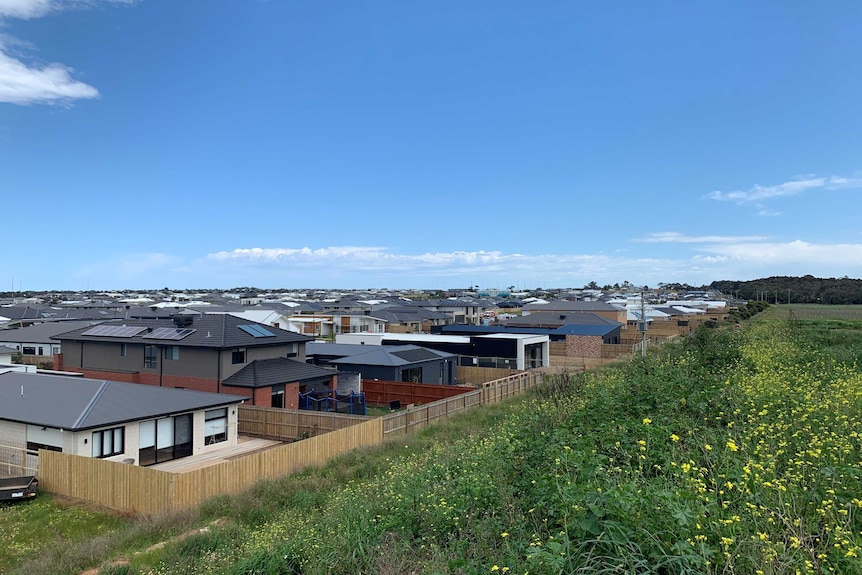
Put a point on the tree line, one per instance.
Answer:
(789, 289)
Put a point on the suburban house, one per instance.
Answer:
(136, 424)
(401, 319)
(504, 350)
(570, 307)
(572, 335)
(35, 343)
(215, 353)
(6, 354)
(408, 363)
(461, 311)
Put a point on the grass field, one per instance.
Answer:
(814, 312)
(732, 451)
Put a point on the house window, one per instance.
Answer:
(150, 357)
(28, 350)
(277, 398)
(41, 350)
(172, 352)
(215, 426)
(124, 350)
(108, 442)
(238, 356)
(165, 439)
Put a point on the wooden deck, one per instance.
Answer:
(245, 446)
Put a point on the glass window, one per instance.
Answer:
(150, 357)
(238, 356)
(215, 426)
(172, 352)
(108, 442)
(123, 350)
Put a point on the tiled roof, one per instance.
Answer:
(275, 371)
(217, 331)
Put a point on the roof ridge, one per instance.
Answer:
(92, 403)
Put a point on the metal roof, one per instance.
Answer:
(42, 332)
(392, 356)
(76, 403)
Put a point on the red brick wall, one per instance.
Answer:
(291, 396)
(583, 346)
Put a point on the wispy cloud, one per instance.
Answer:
(758, 193)
(24, 81)
(678, 238)
(703, 259)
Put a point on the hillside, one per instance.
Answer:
(733, 451)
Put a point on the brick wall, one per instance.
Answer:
(583, 346)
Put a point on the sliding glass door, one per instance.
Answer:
(165, 439)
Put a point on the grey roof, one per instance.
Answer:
(400, 314)
(216, 330)
(392, 355)
(76, 403)
(569, 329)
(42, 332)
(22, 311)
(275, 371)
(556, 319)
(334, 349)
(4, 349)
(562, 305)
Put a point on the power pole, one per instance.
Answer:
(642, 326)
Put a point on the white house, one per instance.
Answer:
(127, 422)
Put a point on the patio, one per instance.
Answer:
(245, 446)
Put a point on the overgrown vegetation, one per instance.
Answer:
(733, 451)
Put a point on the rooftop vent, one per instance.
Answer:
(182, 320)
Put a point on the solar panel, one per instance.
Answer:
(115, 330)
(173, 333)
(256, 331)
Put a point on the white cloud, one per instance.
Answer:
(712, 258)
(758, 193)
(25, 8)
(52, 83)
(30, 83)
(676, 237)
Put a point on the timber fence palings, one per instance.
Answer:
(291, 424)
(151, 491)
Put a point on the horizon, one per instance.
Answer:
(151, 143)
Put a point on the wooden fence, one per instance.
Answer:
(479, 375)
(418, 417)
(379, 392)
(291, 424)
(16, 460)
(150, 491)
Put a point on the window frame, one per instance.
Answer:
(215, 415)
(238, 356)
(151, 356)
(116, 438)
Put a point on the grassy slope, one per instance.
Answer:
(737, 451)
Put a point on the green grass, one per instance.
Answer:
(733, 451)
(28, 527)
(813, 312)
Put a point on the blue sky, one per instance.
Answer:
(217, 143)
